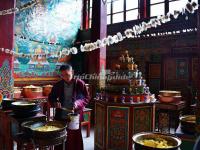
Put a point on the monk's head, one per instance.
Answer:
(66, 72)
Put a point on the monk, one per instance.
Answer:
(70, 93)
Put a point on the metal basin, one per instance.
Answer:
(173, 142)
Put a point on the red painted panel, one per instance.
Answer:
(6, 41)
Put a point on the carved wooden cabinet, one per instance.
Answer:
(115, 123)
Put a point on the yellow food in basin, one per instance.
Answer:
(155, 143)
(47, 128)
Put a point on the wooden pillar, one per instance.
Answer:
(97, 58)
(143, 9)
(84, 14)
(198, 85)
(148, 11)
(6, 41)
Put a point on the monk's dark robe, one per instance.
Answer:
(81, 97)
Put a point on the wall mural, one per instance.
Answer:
(50, 21)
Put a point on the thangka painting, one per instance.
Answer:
(41, 31)
(118, 128)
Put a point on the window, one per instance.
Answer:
(126, 10)
(176, 5)
(131, 4)
(90, 13)
(157, 9)
(122, 10)
(119, 17)
(108, 19)
(156, 1)
(118, 6)
(132, 15)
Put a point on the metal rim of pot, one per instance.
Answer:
(30, 125)
(172, 137)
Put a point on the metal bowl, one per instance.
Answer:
(173, 141)
(169, 93)
(32, 91)
(169, 99)
(188, 123)
(24, 106)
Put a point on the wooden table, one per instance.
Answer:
(86, 120)
(167, 115)
(10, 127)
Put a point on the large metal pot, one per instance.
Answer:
(24, 105)
(7, 103)
(24, 109)
(32, 129)
(32, 91)
(173, 141)
(188, 123)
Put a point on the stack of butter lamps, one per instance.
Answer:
(125, 84)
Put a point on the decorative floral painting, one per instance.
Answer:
(6, 80)
(42, 31)
(118, 127)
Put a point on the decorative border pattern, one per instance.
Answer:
(142, 118)
(6, 80)
(99, 126)
(118, 128)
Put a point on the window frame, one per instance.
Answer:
(124, 11)
(164, 1)
(143, 7)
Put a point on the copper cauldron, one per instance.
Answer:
(32, 91)
(17, 92)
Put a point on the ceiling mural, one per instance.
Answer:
(43, 29)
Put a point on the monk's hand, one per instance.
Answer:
(75, 107)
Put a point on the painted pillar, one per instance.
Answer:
(6, 41)
(143, 9)
(97, 58)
